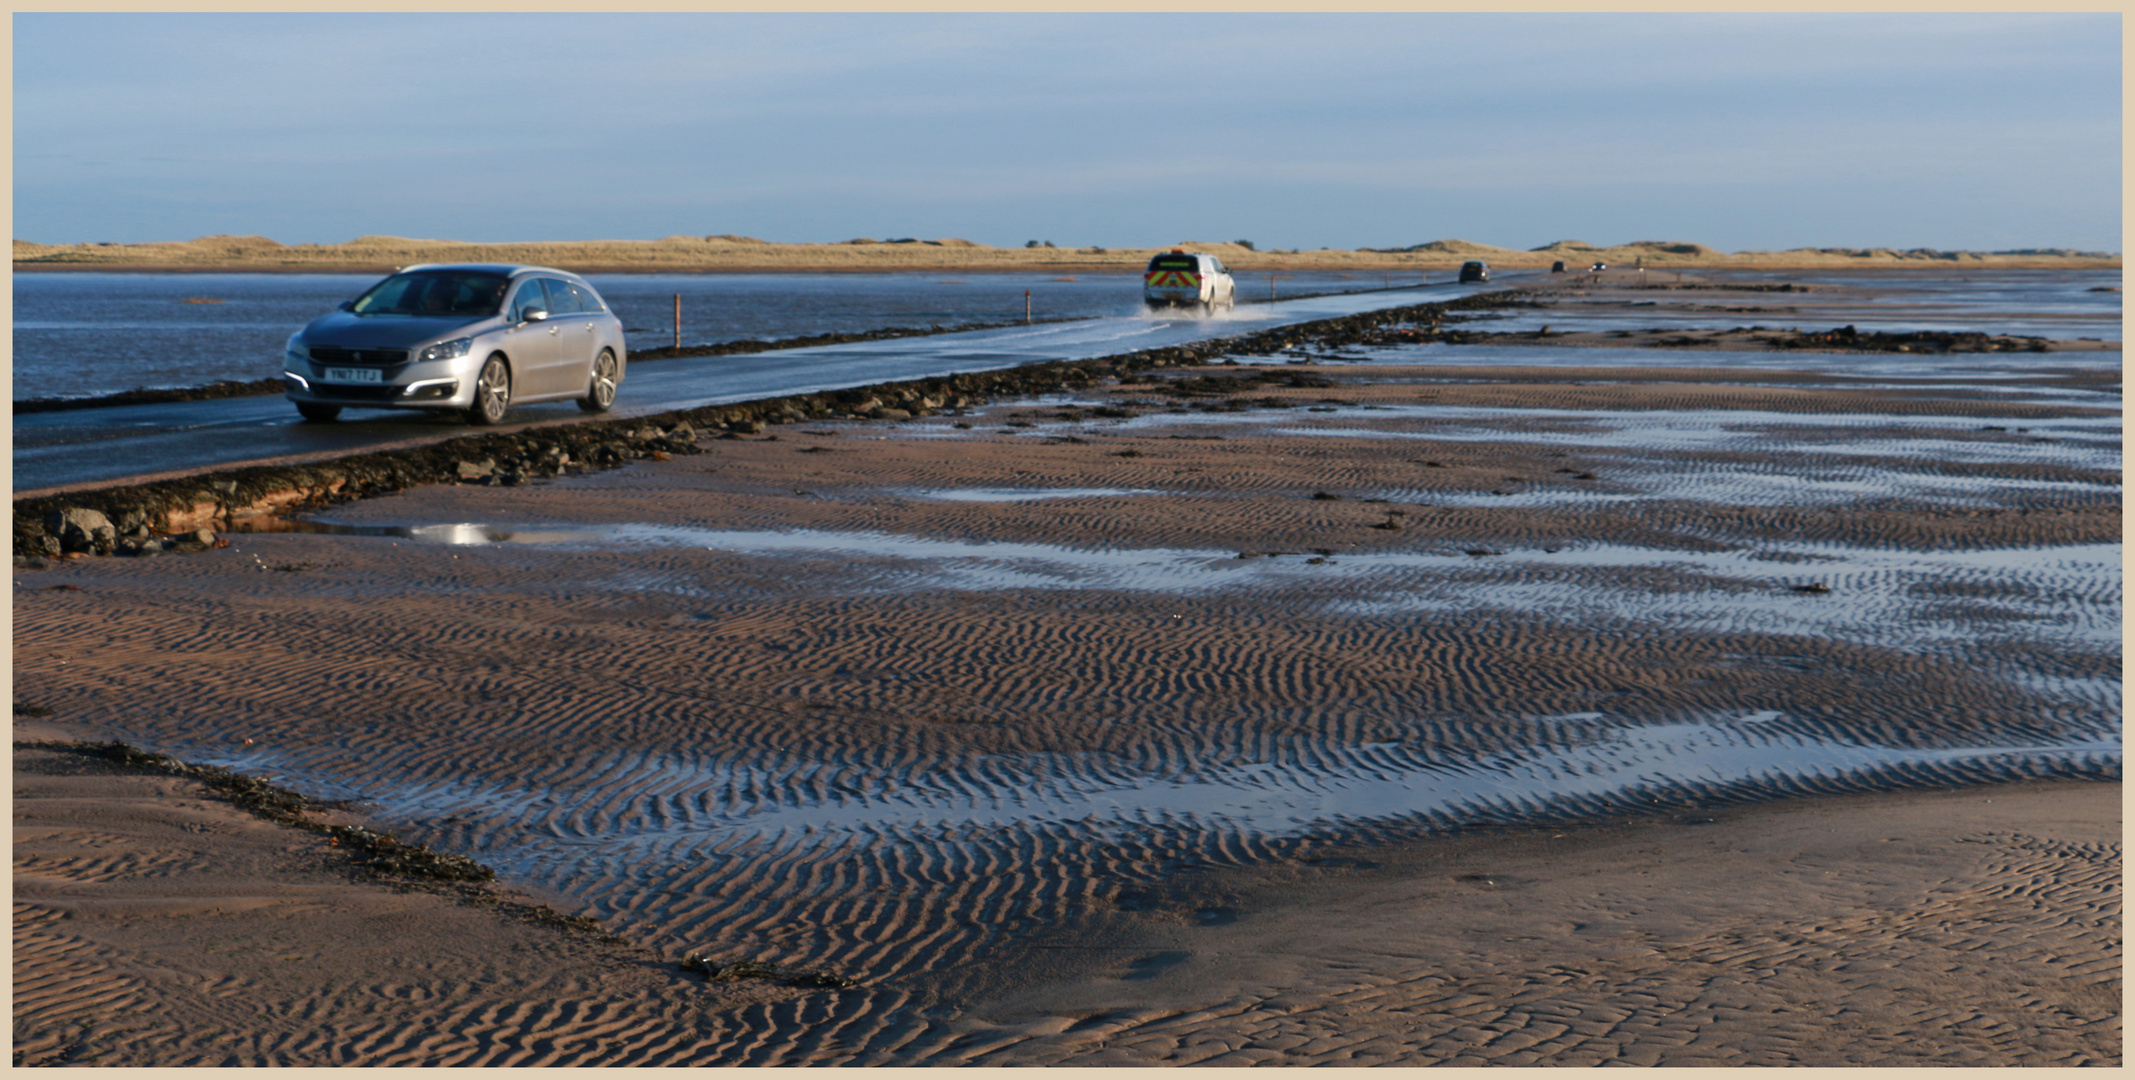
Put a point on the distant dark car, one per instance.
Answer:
(1474, 271)
(1599, 267)
(1557, 267)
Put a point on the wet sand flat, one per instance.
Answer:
(156, 925)
(2058, 311)
(1958, 928)
(1280, 689)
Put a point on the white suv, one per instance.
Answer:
(1183, 279)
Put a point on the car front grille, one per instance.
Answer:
(349, 392)
(334, 354)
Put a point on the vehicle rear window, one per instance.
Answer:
(434, 292)
(1174, 262)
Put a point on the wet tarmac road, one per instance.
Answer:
(98, 447)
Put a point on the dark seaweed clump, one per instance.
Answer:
(756, 969)
(368, 852)
(1935, 341)
(379, 852)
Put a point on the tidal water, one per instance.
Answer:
(2053, 600)
(897, 862)
(2057, 304)
(86, 334)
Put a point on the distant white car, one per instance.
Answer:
(1186, 279)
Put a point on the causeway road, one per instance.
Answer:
(90, 448)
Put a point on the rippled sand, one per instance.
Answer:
(942, 706)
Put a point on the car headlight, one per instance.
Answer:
(447, 350)
(293, 351)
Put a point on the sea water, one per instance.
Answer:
(86, 334)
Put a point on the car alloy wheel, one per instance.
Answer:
(492, 393)
(600, 394)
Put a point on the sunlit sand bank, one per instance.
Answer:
(739, 253)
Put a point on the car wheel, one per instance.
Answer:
(600, 393)
(318, 414)
(492, 393)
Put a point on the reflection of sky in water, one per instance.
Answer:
(2064, 594)
(1684, 429)
(1813, 458)
(1750, 485)
(1974, 290)
(1924, 601)
(2069, 597)
(94, 332)
(1984, 368)
(1027, 494)
(2052, 303)
(685, 807)
(1568, 318)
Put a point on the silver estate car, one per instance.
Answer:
(470, 338)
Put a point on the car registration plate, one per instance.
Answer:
(346, 374)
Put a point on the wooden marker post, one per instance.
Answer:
(678, 322)
(1026, 307)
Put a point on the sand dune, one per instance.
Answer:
(740, 253)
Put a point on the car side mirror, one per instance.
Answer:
(347, 305)
(534, 314)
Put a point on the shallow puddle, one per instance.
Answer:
(1006, 495)
(1569, 318)
(1903, 369)
(1800, 459)
(675, 809)
(2066, 594)
(1999, 437)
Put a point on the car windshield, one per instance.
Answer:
(434, 292)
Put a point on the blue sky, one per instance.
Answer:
(1744, 131)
